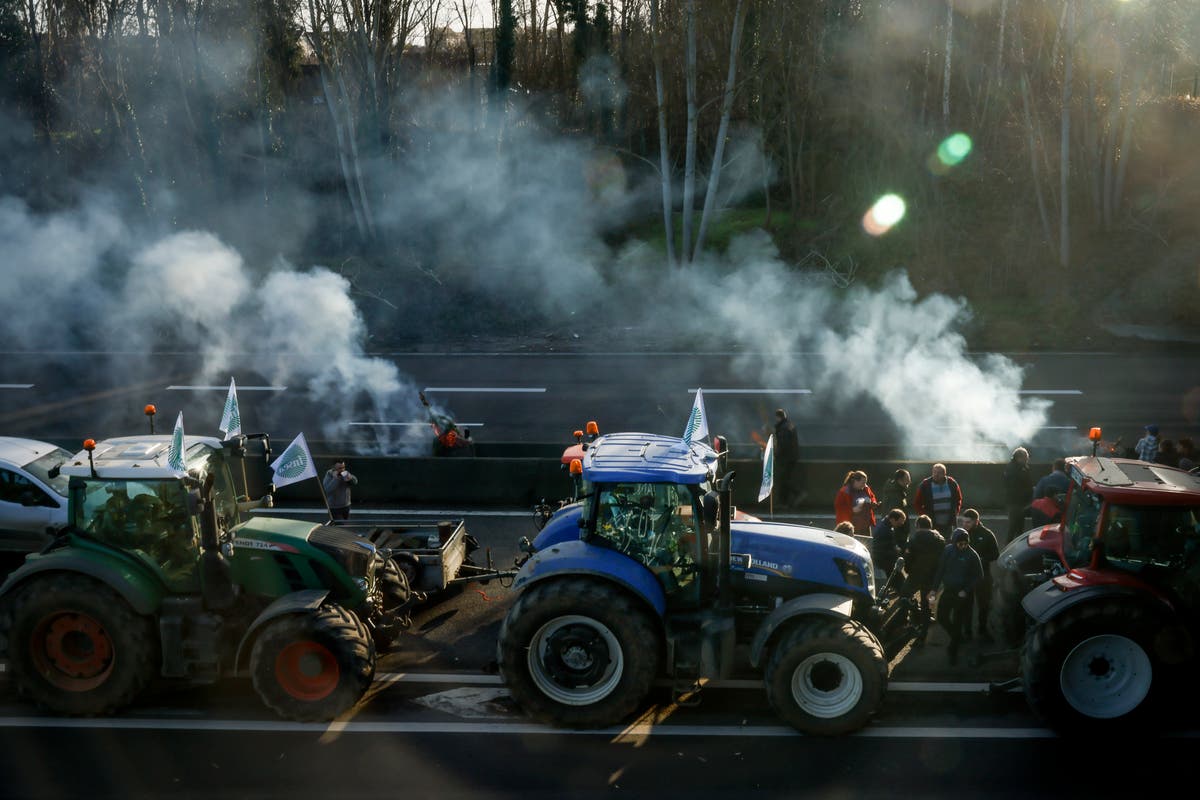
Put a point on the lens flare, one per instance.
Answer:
(954, 149)
(881, 217)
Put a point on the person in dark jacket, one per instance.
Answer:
(1055, 482)
(1017, 492)
(787, 462)
(958, 572)
(940, 498)
(895, 495)
(925, 547)
(885, 541)
(983, 542)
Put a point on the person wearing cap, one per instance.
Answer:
(1147, 446)
(959, 571)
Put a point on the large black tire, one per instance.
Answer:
(312, 667)
(827, 677)
(1094, 665)
(76, 647)
(579, 653)
(1007, 618)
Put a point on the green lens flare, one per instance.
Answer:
(954, 149)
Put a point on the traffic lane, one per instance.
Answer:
(116, 763)
(623, 391)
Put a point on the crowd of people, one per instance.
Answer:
(947, 549)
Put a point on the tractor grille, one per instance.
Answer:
(354, 553)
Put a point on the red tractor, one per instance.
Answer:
(1115, 625)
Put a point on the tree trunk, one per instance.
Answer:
(693, 112)
(1064, 155)
(714, 179)
(946, 70)
(664, 159)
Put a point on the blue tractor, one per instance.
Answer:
(647, 576)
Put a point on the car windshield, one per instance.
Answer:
(41, 467)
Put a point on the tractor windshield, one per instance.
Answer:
(654, 523)
(1138, 535)
(154, 518)
(1083, 513)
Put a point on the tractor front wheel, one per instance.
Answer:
(579, 654)
(314, 666)
(827, 677)
(76, 647)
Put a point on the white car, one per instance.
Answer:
(33, 505)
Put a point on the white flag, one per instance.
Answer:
(231, 418)
(295, 464)
(175, 451)
(768, 481)
(697, 424)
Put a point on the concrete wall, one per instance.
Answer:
(488, 481)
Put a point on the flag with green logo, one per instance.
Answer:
(294, 464)
(768, 481)
(175, 451)
(231, 418)
(697, 424)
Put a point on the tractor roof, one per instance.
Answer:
(647, 458)
(1127, 480)
(134, 457)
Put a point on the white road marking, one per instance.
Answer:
(1049, 391)
(16, 385)
(509, 389)
(225, 388)
(753, 391)
(413, 424)
(512, 728)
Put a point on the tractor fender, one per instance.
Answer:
(143, 592)
(578, 558)
(1049, 600)
(304, 600)
(820, 604)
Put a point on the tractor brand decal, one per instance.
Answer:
(259, 544)
(739, 560)
(770, 566)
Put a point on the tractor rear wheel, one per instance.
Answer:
(580, 654)
(1008, 618)
(312, 667)
(827, 677)
(1094, 664)
(76, 647)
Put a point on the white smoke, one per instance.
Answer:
(509, 212)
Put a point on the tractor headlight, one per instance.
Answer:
(853, 574)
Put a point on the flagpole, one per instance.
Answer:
(325, 497)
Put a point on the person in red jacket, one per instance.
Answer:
(855, 503)
(940, 497)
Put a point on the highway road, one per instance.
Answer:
(540, 397)
(438, 723)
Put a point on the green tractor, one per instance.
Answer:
(163, 573)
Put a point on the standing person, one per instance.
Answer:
(958, 572)
(1054, 482)
(1147, 446)
(895, 495)
(787, 461)
(1168, 454)
(983, 542)
(1046, 510)
(925, 547)
(337, 483)
(855, 503)
(1187, 453)
(940, 498)
(885, 541)
(1017, 492)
